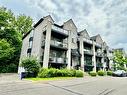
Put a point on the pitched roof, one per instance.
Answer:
(60, 26)
(84, 32)
(93, 37)
(36, 24)
(70, 20)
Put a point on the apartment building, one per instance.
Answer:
(94, 52)
(61, 46)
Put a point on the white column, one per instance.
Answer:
(94, 57)
(82, 52)
(69, 51)
(47, 45)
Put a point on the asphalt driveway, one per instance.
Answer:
(11, 85)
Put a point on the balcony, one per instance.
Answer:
(59, 32)
(87, 41)
(88, 63)
(87, 51)
(99, 54)
(56, 45)
(58, 60)
(99, 64)
(97, 44)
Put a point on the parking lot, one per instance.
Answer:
(11, 85)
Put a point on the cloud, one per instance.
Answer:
(105, 17)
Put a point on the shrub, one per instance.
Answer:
(109, 73)
(73, 72)
(59, 73)
(67, 73)
(52, 72)
(11, 68)
(31, 65)
(101, 73)
(43, 73)
(79, 73)
(92, 73)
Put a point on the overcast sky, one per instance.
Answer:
(105, 17)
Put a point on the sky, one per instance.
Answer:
(105, 17)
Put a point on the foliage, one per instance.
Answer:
(109, 73)
(92, 73)
(8, 68)
(52, 72)
(101, 73)
(6, 50)
(121, 67)
(23, 23)
(31, 65)
(119, 59)
(79, 73)
(67, 73)
(11, 36)
(43, 73)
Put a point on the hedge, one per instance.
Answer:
(101, 73)
(109, 73)
(92, 73)
(52, 72)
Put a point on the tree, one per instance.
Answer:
(7, 18)
(119, 59)
(6, 51)
(11, 36)
(23, 23)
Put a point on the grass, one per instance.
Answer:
(48, 79)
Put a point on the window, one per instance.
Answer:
(30, 39)
(29, 52)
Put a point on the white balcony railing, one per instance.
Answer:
(99, 54)
(55, 43)
(87, 40)
(59, 44)
(88, 51)
(58, 60)
(58, 29)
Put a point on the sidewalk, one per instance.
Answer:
(9, 77)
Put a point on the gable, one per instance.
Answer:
(49, 18)
(85, 34)
(99, 39)
(70, 24)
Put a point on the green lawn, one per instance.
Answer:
(46, 79)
